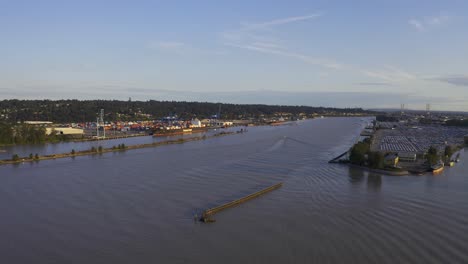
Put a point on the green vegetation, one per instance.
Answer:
(358, 153)
(73, 152)
(361, 155)
(376, 160)
(15, 157)
(100, 149)
(21, 134)
(448, 152)
(121, 146)
(26, 134)
(67, 111)
(425, 121)
(432, 157)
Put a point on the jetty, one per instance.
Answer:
(337, 159)
(207, 214)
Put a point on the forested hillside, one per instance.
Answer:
(79, 111)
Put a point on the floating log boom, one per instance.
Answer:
(206, 216)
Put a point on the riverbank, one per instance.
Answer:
(119, 148)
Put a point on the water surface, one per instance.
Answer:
(137, 206)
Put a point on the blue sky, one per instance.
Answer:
(331, 53)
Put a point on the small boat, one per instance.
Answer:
(437, 167)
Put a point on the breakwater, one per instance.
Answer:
(207, 214)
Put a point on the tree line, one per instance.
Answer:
(67, 111)
(457, 122)
(21, 134)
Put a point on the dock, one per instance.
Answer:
(207, 214)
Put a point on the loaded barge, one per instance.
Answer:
(162, 132)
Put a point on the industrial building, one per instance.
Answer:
(64, 131)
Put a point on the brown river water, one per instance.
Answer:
(138, 206)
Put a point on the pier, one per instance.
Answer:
(207, 214)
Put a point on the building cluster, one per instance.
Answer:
(168, 123)
(409, 142)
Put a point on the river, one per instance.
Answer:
(137, 206)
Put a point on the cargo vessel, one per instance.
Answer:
(178, 131)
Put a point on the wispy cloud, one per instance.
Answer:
(390, 74)
(424, 24)
(418, 25)
(286, 53)
(182, 48)
(168, 45)
(260, 37)
(458, 80)
(281, 21)
(254, 37)
(374, 84)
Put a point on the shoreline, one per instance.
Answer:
(386, 172)
(108, 150)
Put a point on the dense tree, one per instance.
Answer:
(21, 134)
(457, 122)
(448, 152)
(6, 134)
(358, 153)
(432, 157)
(376, 160)
(67, 111)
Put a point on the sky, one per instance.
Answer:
(370, 54)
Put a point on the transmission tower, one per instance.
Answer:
(428, 109)
(100, 124)
(402, 111)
